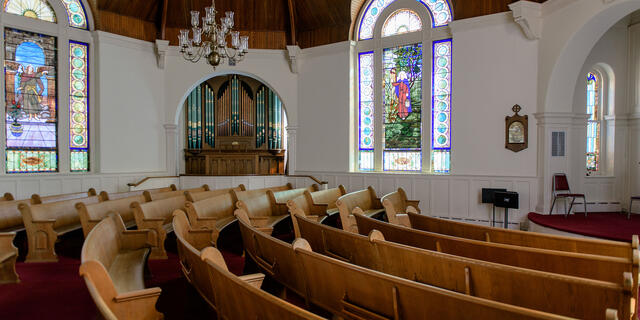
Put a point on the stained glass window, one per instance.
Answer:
(402, 85)
(35, 9)
(593, 122)
(441, 108)
(76, 14)
(366, 117)
(401, 21)
(31, 110)
(79, 106)
(439, 10)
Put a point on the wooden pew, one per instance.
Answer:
(8, 257)
(364, 202)
(7, 197)
(281, 197)
(559, 294)
(263, 212)
(568, 263)
(46, 222)
(524, 238)
(195, 196)
(165, 195)
(397, 205)
(190, 243)
(104, 196)
(239, 298)
(10, 216)
(62, 197)
(92, 214)
(157, 215)
(328, 198)
(213, 214)
(352, 292)
(274, 256)
(113, 264)
(303, 206)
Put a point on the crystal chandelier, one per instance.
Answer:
(214, 47)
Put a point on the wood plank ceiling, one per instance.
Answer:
(271, 24)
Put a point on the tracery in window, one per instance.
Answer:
(401, 21)
(76, 14)
(35, 9)
(439, 10)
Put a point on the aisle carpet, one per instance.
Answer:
(56, 291)
(610, 225)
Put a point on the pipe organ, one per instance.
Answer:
(234, 126)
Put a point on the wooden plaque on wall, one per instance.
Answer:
(516, 131)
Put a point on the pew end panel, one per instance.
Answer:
(41, 237)
(157, 215)
(8, 257)
(198, 238)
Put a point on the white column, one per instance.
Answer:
(291, 148)
(634, 68)
(634, 156)
(171, 131)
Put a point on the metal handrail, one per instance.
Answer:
(316, 180)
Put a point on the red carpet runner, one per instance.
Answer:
(611, 226)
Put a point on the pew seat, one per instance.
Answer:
(113, 264)
(92, 214)
(241, 297)
(195, 196)
(364, 202)
(8, 257)
(397, 205)
(46, 222)
(158, 215)
(212, 213)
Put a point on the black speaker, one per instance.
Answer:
(487, 194)
(504, 199)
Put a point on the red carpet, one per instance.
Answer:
(611, 226)
(56, 291)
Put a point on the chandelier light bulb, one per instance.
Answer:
(244, 44)
(195, 18)
(197, 36)
(235, 39)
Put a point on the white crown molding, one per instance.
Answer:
(528, 15)
(294, 52)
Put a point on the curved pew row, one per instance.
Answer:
(354, 292)
(261, 209)
(8, 257)
(582, 298)
(213, 214)
(91, 214)
(104, 196)
(62, 197)
(113, 263)
(364, 201)
(176, 193)
(524, 238)
(317, 206)
(157, 215)
(45, 222)
(397, 205)
(195, 196)
(582, 265)
(240, 299)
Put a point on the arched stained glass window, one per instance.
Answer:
(439, 9)
(76, 14)
(35, 9)
(401, 21)
(594, 121)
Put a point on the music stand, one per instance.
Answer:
(488, 195)
(507, 200)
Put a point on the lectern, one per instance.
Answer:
(507, 200)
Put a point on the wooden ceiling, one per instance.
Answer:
(271, 24)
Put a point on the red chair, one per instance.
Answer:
(631, 206)
(561, 190)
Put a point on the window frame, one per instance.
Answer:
(427, 36)
(64, 34)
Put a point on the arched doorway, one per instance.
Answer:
(233, 124)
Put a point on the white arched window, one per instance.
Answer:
(404, 64)
(47, 85)
(594, 121)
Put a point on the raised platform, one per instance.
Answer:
(610, 225)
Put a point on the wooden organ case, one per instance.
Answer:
(234, 126)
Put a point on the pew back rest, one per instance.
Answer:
(104, 196)
(202, 195)
(328, 196)
(300, 205)
(62, 197)
(7, 197)
(396, 201)
(63, 212)
(364, 199)
(102, 243)
(238, 299)
(255, 202)
(160, 209)
(203, 188)
(122, 206)
(286, 195)
(162, 195)
(217, 207)
(10, 217)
